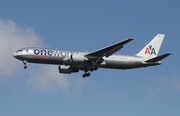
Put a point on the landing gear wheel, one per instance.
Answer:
(95, 68)
(86, 75)
(91, 69)
(25, 67)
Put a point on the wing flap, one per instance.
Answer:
(159, 58)
(107, 51)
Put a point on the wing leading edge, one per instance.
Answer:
(107, 51)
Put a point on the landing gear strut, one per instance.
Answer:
(94, 68)
(25, 66)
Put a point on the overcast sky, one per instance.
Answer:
(88, 25)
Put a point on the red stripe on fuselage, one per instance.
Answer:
(41, 57)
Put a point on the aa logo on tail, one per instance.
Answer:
(150, 50)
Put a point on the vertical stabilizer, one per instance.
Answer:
(152, 48)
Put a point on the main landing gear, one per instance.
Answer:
(87, 74)
(25, 66)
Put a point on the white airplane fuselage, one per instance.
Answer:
(71, 61)
(61, 57)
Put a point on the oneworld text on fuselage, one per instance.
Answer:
(61, 53)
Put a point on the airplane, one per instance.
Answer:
(71, 61)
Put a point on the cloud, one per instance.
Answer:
(12, 38)
(42, 78)
(48, 79)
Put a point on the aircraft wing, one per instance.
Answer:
(159, 58)
(107, 51)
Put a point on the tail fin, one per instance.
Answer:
(152, 48)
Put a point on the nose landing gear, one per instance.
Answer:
(25, 66)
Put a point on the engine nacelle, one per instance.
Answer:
(67, 69)
(75, 59)
(78, 58)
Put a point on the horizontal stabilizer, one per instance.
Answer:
(159, 58)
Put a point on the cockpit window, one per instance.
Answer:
(19, 51)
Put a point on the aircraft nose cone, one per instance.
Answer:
(14, 55)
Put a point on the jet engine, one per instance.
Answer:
(67, 69)
(75, 59)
